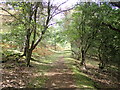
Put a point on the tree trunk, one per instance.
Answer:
(28, 56)
(83, 58)
(27, 51)
(55, 46)
(101, 58)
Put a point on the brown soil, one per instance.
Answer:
(60, 76)
(17, 77)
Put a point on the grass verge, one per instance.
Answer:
(42, 65)
(82, 80)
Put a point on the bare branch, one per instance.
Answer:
(61, 12)
(59, 6)
(52, 24)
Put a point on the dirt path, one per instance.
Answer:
(60, 76)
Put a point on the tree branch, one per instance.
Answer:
(59, 6)
(60, 12)
(52, 24)
(45, 27)
(111, 27)
(34, 33)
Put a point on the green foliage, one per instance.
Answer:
(15, 37)
(82, 27)
(86, 31)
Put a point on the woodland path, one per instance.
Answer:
(60, 76)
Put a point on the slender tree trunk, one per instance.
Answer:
(28, 57)
(72, 49)
(27, 51)
(83, 57)
(26, 46)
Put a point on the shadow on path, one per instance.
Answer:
(60, 76)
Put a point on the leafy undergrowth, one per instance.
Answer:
(92, 76)
(16, 74)
(106, 78)
(45, 50)
(42, 51)
(82, 80)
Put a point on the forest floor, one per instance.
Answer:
(60, 76)
(58, 70)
